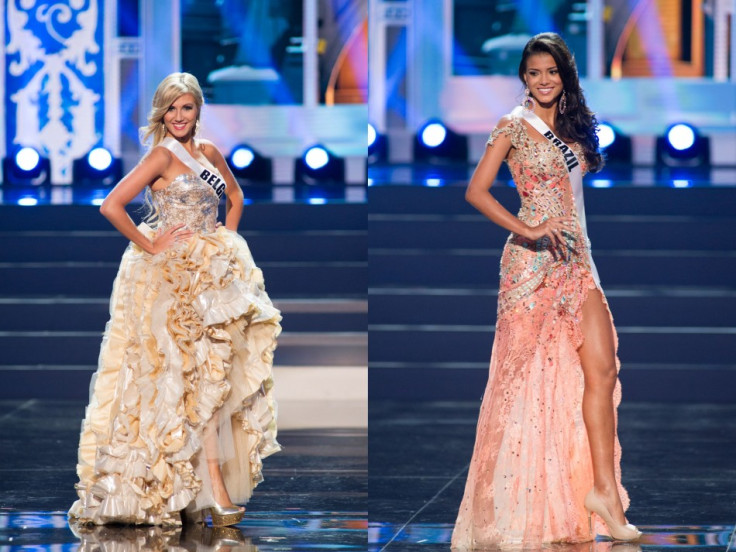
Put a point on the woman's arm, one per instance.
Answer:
(478, 194)
(147, 171)
(233, 192)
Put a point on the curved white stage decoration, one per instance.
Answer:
(54, 79)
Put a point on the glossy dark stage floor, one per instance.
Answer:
(678, 466)
(314, 496)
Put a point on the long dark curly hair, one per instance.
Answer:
(578, 124)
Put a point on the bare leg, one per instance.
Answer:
(597, 356)
(219, 491)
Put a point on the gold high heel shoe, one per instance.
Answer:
(619, 532)
(223, 516)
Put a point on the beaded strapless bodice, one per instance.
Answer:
(189, 200)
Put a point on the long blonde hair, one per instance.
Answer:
(173, 86)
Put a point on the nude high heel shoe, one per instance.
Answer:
(619, 532)
(223, 516)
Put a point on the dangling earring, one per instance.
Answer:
(196, 127)
(562, 105)
(528, 102)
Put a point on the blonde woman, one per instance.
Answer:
(181, 412)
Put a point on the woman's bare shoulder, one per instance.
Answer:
(209, 149)
(157, 155)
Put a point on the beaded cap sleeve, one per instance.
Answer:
(512, 129)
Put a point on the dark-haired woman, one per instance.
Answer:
(546, 454)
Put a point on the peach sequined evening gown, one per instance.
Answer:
(531, 464)
(184, 373)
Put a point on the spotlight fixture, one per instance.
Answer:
(614, 144)
(98, 168)
(435, 142)
(681, 136)
(247, 163)
(372, 135)
(433, 134)
(377, 145)
(319, 166)
(25, 166)
(606, 135)
(683, 146)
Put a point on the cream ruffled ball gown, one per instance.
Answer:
(184, 373)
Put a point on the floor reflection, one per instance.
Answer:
(286, 530)
(190, 538)
(436, 536)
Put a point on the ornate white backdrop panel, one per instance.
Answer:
(54, 79)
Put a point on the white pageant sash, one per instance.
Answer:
(210, 175)
(574, 172)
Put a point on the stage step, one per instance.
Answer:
(631, 306)
(666, 262)
(617, 201)
(108, 246)
(655, 382)
(469, 231)
(456, 343)
(57, 265)
(617, 267)
(94, 279)
(92, 313)
(83, 348)
(282, 217)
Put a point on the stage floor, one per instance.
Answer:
(678, 467)
(314, 496)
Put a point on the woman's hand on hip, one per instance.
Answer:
(553, 228)
(167, 238)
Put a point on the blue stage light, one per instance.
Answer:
(98, 168)
(242, 157)
(372, 134)
(377, 145)
(682, 146)
(99, 159)
(248, 164)
(601, 183)
(435, 143)
(25, 166)
(27, 159)
(28, 201)
(606, 135)
(316, 157)
(433, 134)
(616, 148)
(319, 166)
(681, 136)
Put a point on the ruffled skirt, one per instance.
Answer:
(184, 376)
(531, 466)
